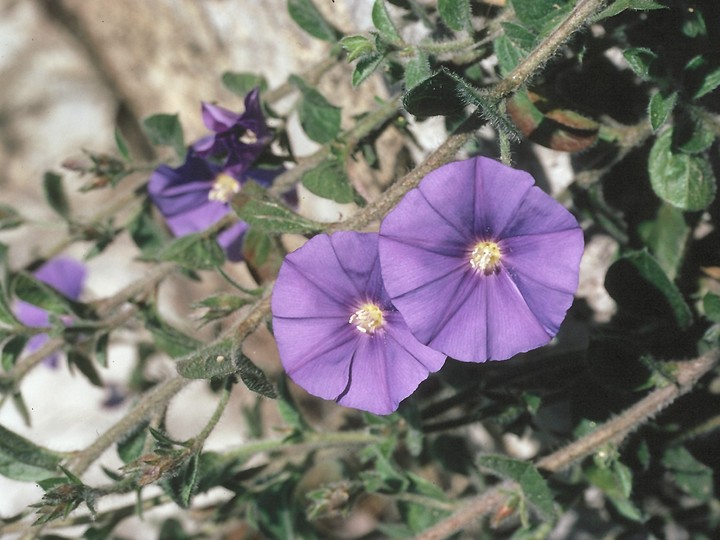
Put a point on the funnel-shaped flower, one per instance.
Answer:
(481, 263)
(67, 276)
(338, 334)
(238, 138)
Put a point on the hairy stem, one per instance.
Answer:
(613, 431)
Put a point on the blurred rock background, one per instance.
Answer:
(74, 70)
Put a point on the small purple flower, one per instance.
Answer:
(67, 276)
(338, 334)
(237, 138)
(480, 262)
(195, 196)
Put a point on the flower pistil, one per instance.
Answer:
(485, 257)
(223, 188)
(368, 318)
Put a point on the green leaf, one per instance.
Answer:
(436, 95)
(122, 145)
(209, 362)
(23, 460)
(541, 15)
(455, 13)
(666, 237)
(711, 307)
(288, 409)
(709, 83)
(181, 487)
(329, 180)
(319, 119)
(383, 23)
(220, 306)
(7, 316)
(33, 291)
(690, 475)
(692, 134)
(637, 281)
(195, 251)
(357, 46)
(533, 485)
(11, 350)
(621, 5)
(131, 446)
(365, 67)
(9, 217)
(167, 338)
(307, 17)
(55, 194)
(268, 214)
(166, 130)
(172, 529)
(242, 83)
(508, 54)
(145, 231)
(642, 61)
(86, 367)
(417, 70)
(522, 38)
(616, 482)
(253, 376)
(660, 108)
(683, 180)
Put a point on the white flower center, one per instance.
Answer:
(223, 188)
(485, 257)
(368, 318)
(249, 137)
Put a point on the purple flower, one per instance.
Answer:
(195, 196)
(338, 334)
(238, 138)
(67, 276)
(480, 262)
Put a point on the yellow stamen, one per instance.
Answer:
(368, 318)
(224, 187)
(485, 257)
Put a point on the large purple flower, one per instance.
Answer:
(238, 138)
(338, 334)
(481, 263)
(65, 275)
(195, 196)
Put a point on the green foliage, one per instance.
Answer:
(166, 130)
(196, 251)
(319, 119)
(242, 83)
(455, 13)
(691, 476)
(9, 217)
(329, 180)
(55, 194)
(307, 17)
(533, 486)
(23, 460)
(384, 24)
(683, 180)
(268, 214)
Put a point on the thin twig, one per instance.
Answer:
(613, 431)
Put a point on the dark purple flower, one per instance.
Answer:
(67, 276)
(338, 334)
(480, 262)
(195, 196)
(239, 139)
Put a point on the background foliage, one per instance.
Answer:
(626, 90)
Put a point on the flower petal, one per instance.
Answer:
(231, 241)
(197, 219)
(499, 191)
(218, 118)
(65, 275)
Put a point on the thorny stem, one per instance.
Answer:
(614, 431)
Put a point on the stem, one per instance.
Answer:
(524, 71)
(352, 137)
(214, 419)
(613, 431)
